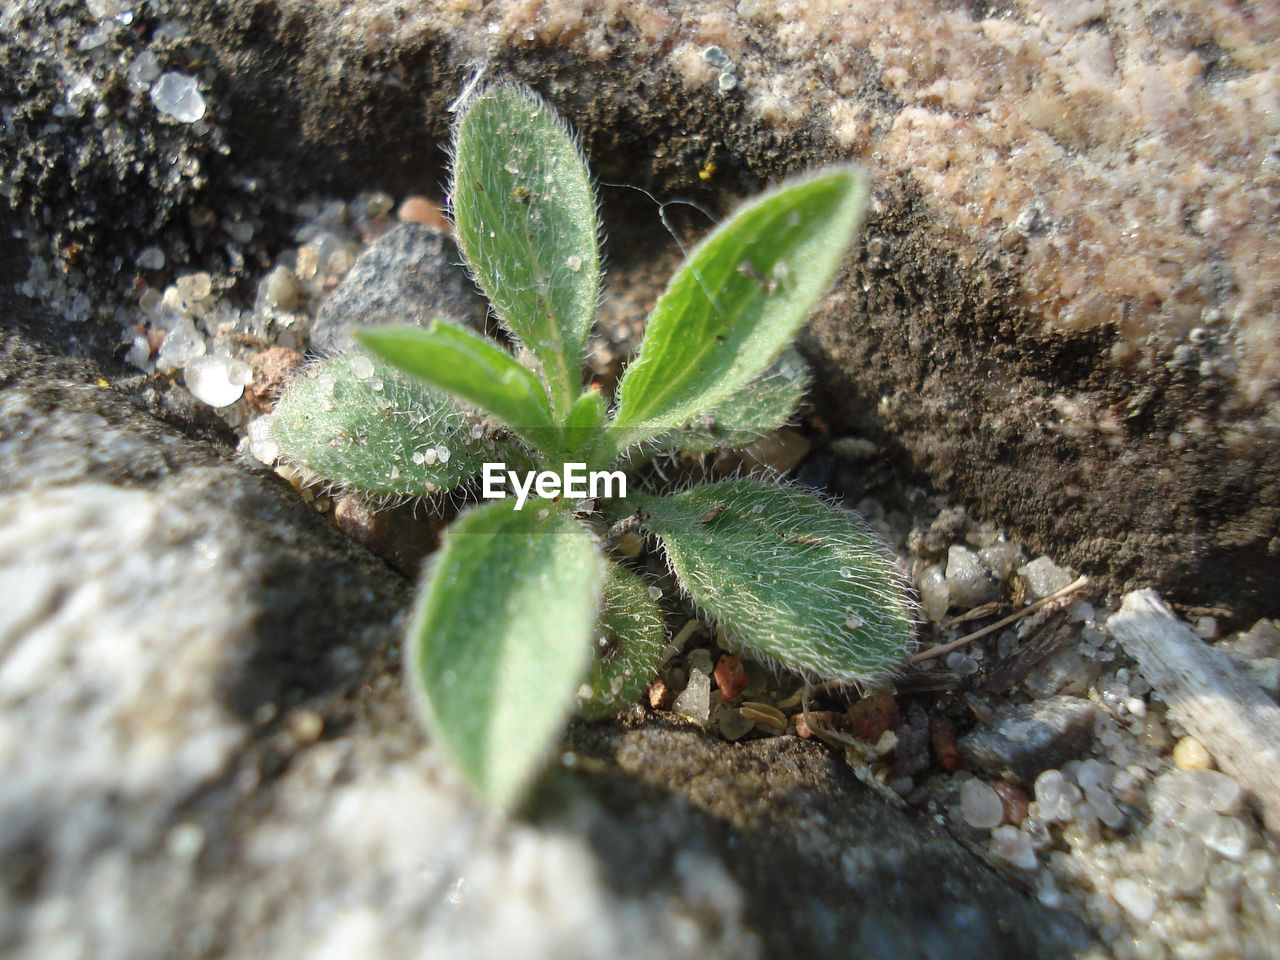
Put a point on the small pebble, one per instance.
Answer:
(417, 209)
(935, 596)
(194, 287)
(1042, 577)
(217, 381)
(1056, 797)
(1001, 559)
(262, 441)
(1135, 898)
(731, 678)
(695, 701)
(150, 258)
(969, 585)
(177, 95)
(1012, 846)
(182, 343)
(1206, 628)
(1228, 837)
(306, 725)
(143, 71)
(733, 725)
(281, 290)
(272, 369)
(980, 805)
(1190, 754)
(184, 841)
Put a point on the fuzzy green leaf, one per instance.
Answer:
(358, 422)
(501, 638)
(525, 214)
(474, 369)
(741, 297)
(795, 580)
(582, 428)
(755, 411)
(628, 649)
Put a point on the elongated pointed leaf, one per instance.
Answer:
(795, 580)
(583, 426)
(741, 297)
(360, 423)
(628, 646)
(472, 368)
(501, 638)
(755, 411)
(526, 219)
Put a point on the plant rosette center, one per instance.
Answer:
(523, 616)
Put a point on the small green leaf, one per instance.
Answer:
(501, 638)
(741, 297)
(358, 422)
(582, 426)
(755, 411)
(629, 648)
(474, 369)
(793, 579)
(525, 214)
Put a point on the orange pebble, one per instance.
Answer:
(421, 210)
(731, 678)
(871, 716)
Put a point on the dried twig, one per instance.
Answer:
(1026, 611)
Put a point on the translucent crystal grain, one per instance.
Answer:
(262, 441)
(968, 583)
(695, 701)
(217, 381)
(1012, 846)
(1105, 809)
(139, 352)
(181, 344)
(934, 595)
(1183, 860)
(280, 289)
(194, 287)
(1135, 898)
(1056, 796)
(1001, 559)
(1042, 577)
(980, 805)
(150, 258)
(177, 95)
(1227, 836)
(361, 367)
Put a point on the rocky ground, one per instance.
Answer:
(206, 746)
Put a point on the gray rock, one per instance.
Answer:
(826, 866)
(410, 275)
(206, 750)
(1021, 742)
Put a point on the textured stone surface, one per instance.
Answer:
(1064, 302)
(409, 275)
(205, 750)
(1020, 742)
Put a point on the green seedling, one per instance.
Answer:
(524, 613)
